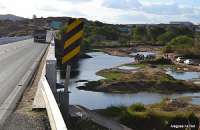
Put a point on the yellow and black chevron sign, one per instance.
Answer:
(72, 39)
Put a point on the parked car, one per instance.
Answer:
(180, 59)
(189, 62)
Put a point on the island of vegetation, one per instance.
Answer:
(161, 116)
(146, 79)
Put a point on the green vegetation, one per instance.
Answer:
(183, 45)
(113, 111)
(159, 34)
(81, 124)
(140, 34)
(140, 117)
(100, 34)
(140, 65)
(145, 75)
(178, 39)
(158, 61)
(114, 75)
(97, 34)
(138, 107)
(150, 80)
(161, 66)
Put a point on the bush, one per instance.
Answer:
(182, 41)
(91, 84)
(158, 120)
(184, 120)
(165, 38)
(159, 61)
(138, 107)
(113, 111)
(181, 44)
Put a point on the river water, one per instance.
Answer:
(98, 100)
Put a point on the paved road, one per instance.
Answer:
(15, 60)
(5, 40)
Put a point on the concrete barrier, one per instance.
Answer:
(45, 99)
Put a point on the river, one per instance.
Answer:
(99, 100)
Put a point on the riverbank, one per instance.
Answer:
(162, 63)
(143, 80)
(126, 51)
(160, 116)
(157, 50)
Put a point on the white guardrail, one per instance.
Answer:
(45, 99)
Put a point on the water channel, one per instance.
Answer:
(97, 100)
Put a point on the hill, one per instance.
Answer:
(11, 17)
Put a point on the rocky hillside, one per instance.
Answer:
(15, 27)
(11, 17)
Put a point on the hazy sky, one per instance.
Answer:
(110, 11)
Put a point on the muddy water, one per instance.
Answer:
(97, 100)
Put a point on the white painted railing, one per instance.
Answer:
(45, 99)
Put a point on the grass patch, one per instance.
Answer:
(140, 65)
(138, 107)
(111, 75)
(147, 80)
(113, 111)
(140, 117)
(144, 75)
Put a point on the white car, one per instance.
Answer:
(188, 62)
(180, 59)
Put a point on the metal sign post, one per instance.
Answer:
(68, 70)
(72, 39)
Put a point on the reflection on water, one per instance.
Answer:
(97, 100)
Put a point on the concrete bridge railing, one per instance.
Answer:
(45, 98)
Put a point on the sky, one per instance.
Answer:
(109, 11)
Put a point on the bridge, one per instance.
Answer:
(19, 62)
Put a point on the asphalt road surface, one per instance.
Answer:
(5, 40)
(15, 60)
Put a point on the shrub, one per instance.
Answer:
(138, 107)
(182, 41)
(93, 83)
(159, 61)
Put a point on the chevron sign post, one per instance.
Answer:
(72, 39)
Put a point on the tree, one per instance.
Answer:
(182, 44)
(182, 41)
(154, 32)
(165, 38)
(34, 16)
(140, 33)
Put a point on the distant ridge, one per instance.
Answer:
(11, 17)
